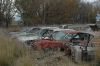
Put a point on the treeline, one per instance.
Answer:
(51, 11)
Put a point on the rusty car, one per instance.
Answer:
(74, 43)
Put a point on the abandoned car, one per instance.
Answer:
(24, 31)
(74, 43)
(37, 35)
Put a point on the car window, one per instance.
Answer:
(48, 33)
(84, 36)
(34, 30)
(77, 36)
(39, 32)
(65, 27)
(59, 36)
(44, 32)
(68, 36)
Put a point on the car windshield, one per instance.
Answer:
(44, 32)
(34, 30)
(28, 34)
(62, 36)
(83, 36)
(30, 30)
(82, 39)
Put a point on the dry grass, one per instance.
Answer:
(60, 61)
(10, 50)
(96, 41)
(24, 61)
(13, 28)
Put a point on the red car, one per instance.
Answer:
(62, 39)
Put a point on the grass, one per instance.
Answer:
(96, 41)
(24, 61)
(13, 28)
(10, 51)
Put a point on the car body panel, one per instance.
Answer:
(47, 44)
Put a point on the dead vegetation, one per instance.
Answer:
(13, 28)
(10, 50)
(96, 39)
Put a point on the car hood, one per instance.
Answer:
(23, 34)
(19, 34)
(26, 38)
(16, 34)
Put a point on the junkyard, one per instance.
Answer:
(56, 45)
(49, 32)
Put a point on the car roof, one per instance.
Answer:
(49, 28)
(86, 32)
(67, 30)
(72, 31)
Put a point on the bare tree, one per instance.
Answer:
(46, 11)
(8, 10)
(29, 10)
(55, 12)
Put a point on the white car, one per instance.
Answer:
(24, 32)
(29, 37)
(35, 36)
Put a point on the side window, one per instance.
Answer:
(34, 30)
(43, 31)
(48, 33)
(59, 36)
(68, 36)
(65, 27)
(84, 36)
(77, 36)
